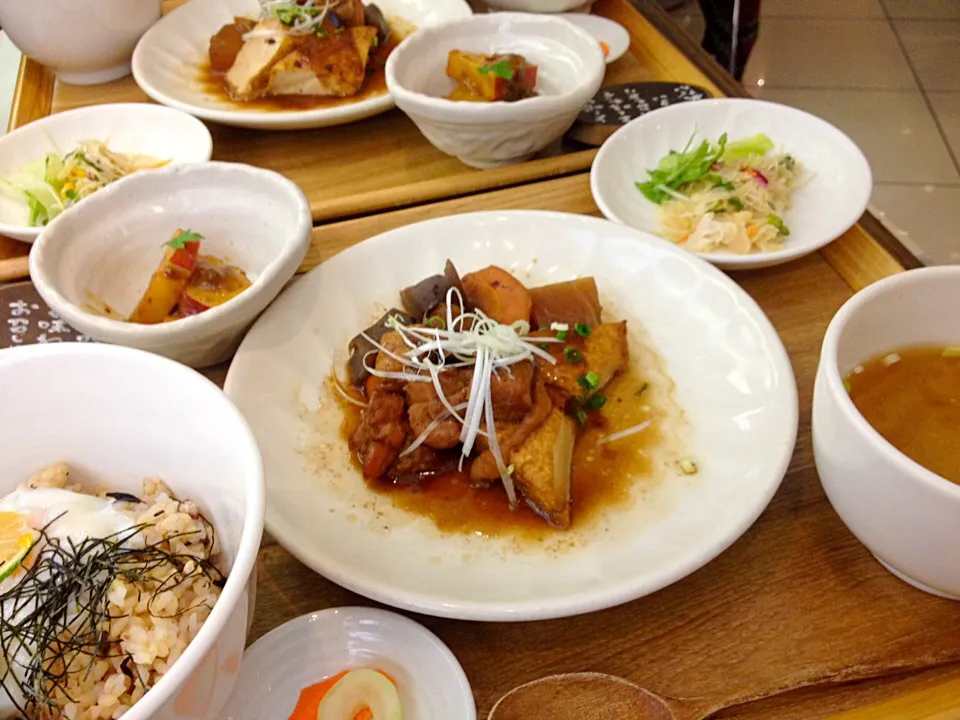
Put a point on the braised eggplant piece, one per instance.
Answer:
(374, 17)
(420, 299)
(360, 346)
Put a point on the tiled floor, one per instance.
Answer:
(886, 72)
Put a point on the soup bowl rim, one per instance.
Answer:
(830, 371)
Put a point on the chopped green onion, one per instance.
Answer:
(951, 352)
(688, 466)
(562, 335)
(590, 381)
(572, 356)
(778, 223)
(582, 329)
(581, 417)
(543, 346)
(596, 401)
(735, 203)
(437, 322)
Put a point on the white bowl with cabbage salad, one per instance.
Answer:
(51, 164)
(742, 183)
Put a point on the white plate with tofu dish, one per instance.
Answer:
(280, 64)
(644, 413)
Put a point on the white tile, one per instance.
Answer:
(947, 108)
(923, 9)
(934, 51)
(926, 218)
(895, 130)
(9, 66)
(828, 53)
(822, 8)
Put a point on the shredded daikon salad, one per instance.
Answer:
(57, 182)
(729, 196)
(296, 18)
(471, 339)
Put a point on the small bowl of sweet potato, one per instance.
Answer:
(496, 89)
(178, 261)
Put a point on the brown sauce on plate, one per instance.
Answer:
(912, 398)
(375, 85)
(603, 475)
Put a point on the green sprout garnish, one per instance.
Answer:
(501, 69)
(180, 240)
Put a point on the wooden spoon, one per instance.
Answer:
(596, 696)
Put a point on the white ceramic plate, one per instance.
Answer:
(134, 128)
(167, 62)
(823, 209)
(732, 379)
(606, 31)
(316, 646)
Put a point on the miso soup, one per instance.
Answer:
(912, 398)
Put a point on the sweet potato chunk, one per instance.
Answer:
(498, 294)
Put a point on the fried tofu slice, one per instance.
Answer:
(249, 76)
(605, 352)
(334, 65)
(542, 465)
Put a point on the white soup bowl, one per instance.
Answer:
(906, 515)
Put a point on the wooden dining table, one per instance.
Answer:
(796, 620)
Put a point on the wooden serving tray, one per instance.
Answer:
(368, 166)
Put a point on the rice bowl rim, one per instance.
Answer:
(207, 393)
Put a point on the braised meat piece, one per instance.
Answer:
(381, 434)
(226, 44)
(509, 436)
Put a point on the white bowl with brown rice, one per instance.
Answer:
(134, 490)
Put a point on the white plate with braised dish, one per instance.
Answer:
(743, 183)
(280, 64)
(643, 411)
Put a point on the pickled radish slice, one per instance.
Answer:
(359, 690)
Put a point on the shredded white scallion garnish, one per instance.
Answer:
(296, 19)
(471, 339)
(624, 433)
(345, 395)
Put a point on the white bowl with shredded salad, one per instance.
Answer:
(743, 183)
(56, 162)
